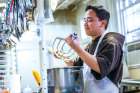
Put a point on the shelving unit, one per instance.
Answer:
(4, 68)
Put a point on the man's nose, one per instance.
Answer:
(85, 23)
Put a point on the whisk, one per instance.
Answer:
(61, 50)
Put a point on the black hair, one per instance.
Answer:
(101, 13)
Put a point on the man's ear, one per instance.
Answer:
(104, 23)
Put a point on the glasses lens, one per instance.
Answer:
(88, 19)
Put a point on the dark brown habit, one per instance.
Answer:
(109, 57)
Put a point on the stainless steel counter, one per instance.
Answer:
(131, 82)
(127, 84)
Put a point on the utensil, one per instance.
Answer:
(61, 50)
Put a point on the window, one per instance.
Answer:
(129, 14)
(130, 10)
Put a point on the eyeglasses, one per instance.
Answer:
(88, 19)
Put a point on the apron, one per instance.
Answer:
(92, 85)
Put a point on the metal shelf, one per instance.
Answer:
(3, 68)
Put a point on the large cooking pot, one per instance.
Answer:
(65, 80)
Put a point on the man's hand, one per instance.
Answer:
(69, 62)
(73, 42)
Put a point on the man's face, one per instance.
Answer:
(92, 24)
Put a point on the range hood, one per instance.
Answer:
(62, 4)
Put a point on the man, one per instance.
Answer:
(102, 57)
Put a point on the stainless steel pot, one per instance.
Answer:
(65, 80)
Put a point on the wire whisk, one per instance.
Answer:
(61, 50)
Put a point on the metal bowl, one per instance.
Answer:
(65, 80)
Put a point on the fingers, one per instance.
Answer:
(68, 39)
(71, 37)
(72, 40)
(69, 62)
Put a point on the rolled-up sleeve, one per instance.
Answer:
(107, 58)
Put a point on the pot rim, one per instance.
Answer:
(68, 67)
